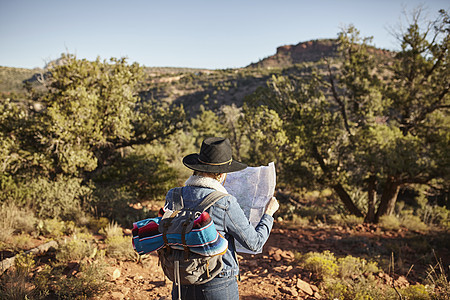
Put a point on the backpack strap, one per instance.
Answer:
(210, 200)
(177, 204)
(177, 198)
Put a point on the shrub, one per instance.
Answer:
(353, 278)
(350, 220)
(15, 284)
(288, 211)
(20, 242)
(97, 224)
(144, 176)
(437, 279)
(51, 227)
(413, 223)
(59, 198)
(297, 220)
(88, 281)
(434, 215)
(335, 289)
(118, 245)
(24, 263)
(336, 219)
(111, 230)
(15, 220)
(76, 248)
(415, 292)
(322, 265)
(55, 227)
(316, 213)
(6, 233)
(360, 289)
(389, 222)
(355, 266)
(114, 203)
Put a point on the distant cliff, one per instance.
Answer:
(288, 55)
(311, 51)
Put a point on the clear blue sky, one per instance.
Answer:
(200, 34)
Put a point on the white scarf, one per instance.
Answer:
(206, 182)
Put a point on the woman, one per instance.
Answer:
(210, 167)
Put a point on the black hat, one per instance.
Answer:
(215, 157)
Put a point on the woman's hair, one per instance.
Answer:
(216, 176)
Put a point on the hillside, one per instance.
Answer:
(212, 89)
(12, 79)
(288, 55)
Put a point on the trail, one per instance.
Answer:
(274, 274)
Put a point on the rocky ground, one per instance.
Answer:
(274, 274)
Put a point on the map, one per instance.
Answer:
(253, 187)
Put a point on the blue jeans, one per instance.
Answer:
(220, 288)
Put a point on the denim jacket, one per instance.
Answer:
(229, 219)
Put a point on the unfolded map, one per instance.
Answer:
(253, 187)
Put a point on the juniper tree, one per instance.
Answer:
(375, 121)
(93, 109)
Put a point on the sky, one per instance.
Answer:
(194, 34)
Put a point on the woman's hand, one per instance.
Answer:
(272, 206)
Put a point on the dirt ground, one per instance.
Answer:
(274, 274)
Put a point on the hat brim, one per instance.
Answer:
(191, 161)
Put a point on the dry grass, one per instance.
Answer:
(15, 220)
(118, 245)
(76, 248)
(15, 284)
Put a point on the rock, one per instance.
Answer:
(279, 269)
(287, 254)
(402, 282)
(116, 274)
(117, 296)
(317, 296)
(125, 290)
(277, 257)
(305, 287)
(314, 288)
(288, 290)
(272, 250)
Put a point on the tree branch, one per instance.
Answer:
(337, 187)
(338, 100)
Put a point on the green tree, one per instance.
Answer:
(265, 135)
(231, 117)
(93, 110)
(376, 121)
(82, 126)
(206, 124)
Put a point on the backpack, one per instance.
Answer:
(196, 259)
